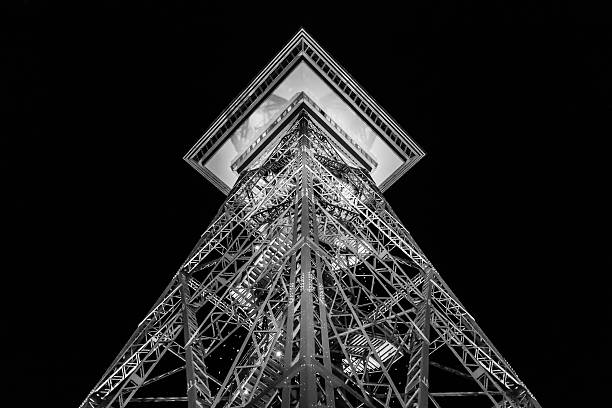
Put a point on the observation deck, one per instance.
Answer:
(303, 76)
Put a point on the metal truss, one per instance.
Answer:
(320, 293)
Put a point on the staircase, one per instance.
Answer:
(260, 382)
(384, 349)
(270, 259)
(199, 367)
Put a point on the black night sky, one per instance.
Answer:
(507, 101)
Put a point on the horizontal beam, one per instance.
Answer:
(159, 399)
(463, 394)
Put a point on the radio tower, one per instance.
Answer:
(306, 290)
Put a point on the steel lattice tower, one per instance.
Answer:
(306, 274)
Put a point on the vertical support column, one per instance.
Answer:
(423, 399)
(329, 389)
(322, 308)
(308, 386)
(192, 395)
(289, 328)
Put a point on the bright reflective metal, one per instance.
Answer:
(306, 290)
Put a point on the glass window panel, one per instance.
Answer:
(303, 78)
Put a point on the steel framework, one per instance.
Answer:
(325, 299)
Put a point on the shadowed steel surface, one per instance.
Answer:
(307, 291)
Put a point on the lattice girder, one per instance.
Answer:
(307, 271)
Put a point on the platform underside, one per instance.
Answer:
(303, 66)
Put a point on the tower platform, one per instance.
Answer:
(303, 66)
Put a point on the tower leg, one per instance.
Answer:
(308, 386)
(189, 366)
(423, 399)
(195, 369)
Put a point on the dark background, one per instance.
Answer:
(509, 102)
